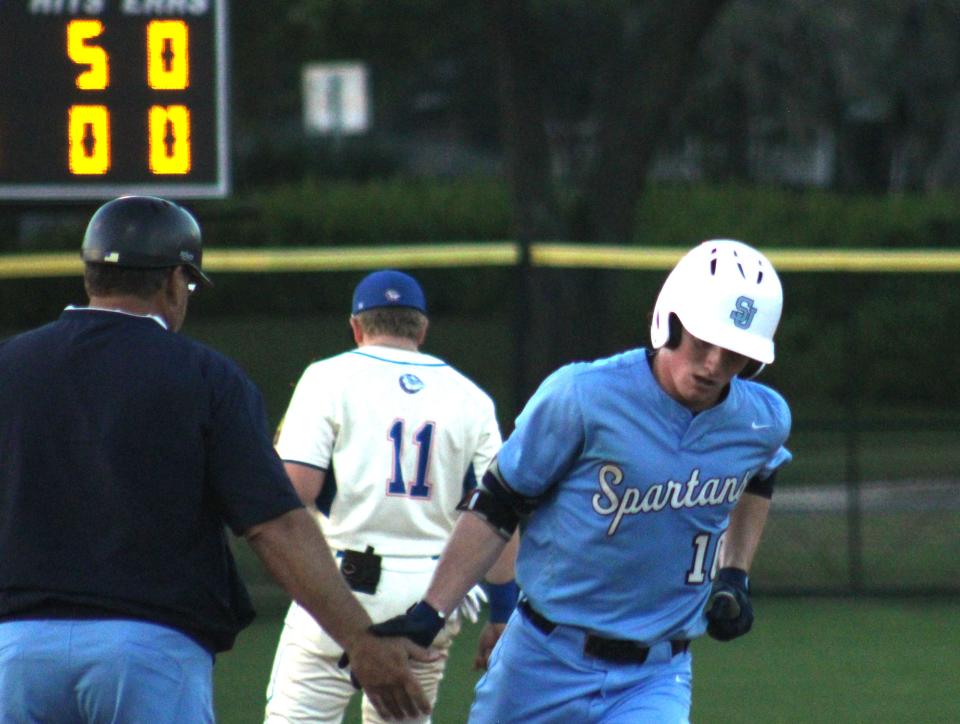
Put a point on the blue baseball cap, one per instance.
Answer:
(388, 288)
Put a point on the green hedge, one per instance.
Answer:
(313, 213)
(401, 210)
(784, 218)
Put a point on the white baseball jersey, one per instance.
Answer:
(401, 435)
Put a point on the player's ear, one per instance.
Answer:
(676, 332)
(357, 330)
(170, 283)
(422, 337)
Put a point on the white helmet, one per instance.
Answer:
(725, 293)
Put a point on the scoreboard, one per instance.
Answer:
(100, 98)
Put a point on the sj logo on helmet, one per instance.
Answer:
(744, 313)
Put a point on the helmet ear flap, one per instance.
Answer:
(752, 369)
(675, 334)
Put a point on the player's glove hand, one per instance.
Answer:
(421, 624)
(729, 611)
(471, 605)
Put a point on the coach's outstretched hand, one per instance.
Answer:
(421, 624)
(381, 668)
(729, 611)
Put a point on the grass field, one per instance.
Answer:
(808, 659)
(833, 660)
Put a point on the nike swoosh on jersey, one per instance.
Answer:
(757, 426)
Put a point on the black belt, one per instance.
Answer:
(619, 651)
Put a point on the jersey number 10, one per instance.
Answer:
(701, 547)
(422, 439)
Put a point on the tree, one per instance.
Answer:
(636, 60)
(586, 94)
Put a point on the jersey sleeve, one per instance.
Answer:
(309, 426)
(489, 441)
(780, 413)
(549, 435)
(243, 469)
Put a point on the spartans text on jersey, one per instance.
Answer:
(692, 494)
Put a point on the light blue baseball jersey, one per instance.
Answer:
(636, 492)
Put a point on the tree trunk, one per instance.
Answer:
(519, 50)
(561, 313)
(644, 82)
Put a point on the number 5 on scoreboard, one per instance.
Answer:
(97, 76)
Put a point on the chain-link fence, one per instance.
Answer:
(871, 502)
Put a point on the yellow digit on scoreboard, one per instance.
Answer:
(168, 55)
(97, 76)
(111, 97)
(89, 140)
(169, 140)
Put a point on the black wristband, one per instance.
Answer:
(421, 624)
(736, 577)
(425, 615)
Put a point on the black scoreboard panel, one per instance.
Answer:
(105, 97)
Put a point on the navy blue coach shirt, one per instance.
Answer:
(124, 449)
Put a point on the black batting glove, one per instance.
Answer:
(421, 624)
(729, 611)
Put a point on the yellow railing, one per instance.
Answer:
(506, 253)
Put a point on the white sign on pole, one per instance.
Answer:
(336, 98)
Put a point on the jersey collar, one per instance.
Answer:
(159, 320)
(398, 355)
(678, 410)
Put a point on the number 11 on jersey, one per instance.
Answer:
(422, 439)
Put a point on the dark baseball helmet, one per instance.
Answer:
(144, 232)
